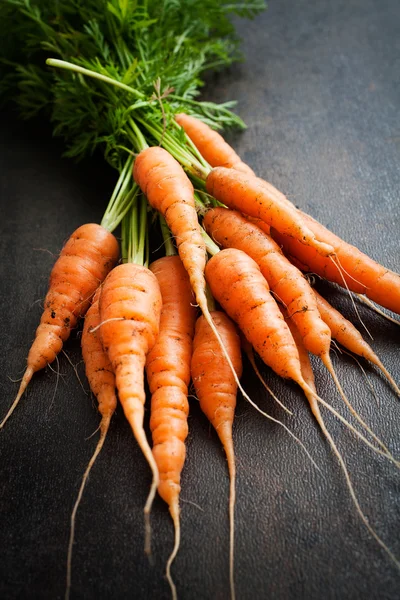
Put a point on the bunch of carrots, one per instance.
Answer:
(233, 279)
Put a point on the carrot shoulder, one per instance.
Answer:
(87, 257)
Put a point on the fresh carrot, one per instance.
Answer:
(211, 144)
(87, 257)
(247, 194)
(349, 337)
(130, 307)
(231, 230)
(352, 268)
(289, 286)
(102, 384)
(216, 390)
(168, 375)
(308, 376)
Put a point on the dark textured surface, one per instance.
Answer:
(319, 91)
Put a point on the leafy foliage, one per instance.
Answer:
(136, 42)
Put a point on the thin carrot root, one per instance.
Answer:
(318, 416)
(104, 426)
(328, 364)
(250, 355)
(175, 514)
(24, 384)
(376, 308)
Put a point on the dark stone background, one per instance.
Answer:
(319, 91)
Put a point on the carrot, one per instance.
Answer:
(216, 390)
(211, 144)
(232, 230)
(348, 336)
(308, 375)
(84, 262)
(357, 271)
(248, 195)
(168, 375)
(102, 384)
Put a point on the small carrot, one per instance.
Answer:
(349, 337)
(102, 384)
(130, 307)
(216, 390)
(168, 375)
(87, 257)
(352, 268)
(211, 144)
(248, 195)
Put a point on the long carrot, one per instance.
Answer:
(168, 375)
(211, 144)
(102, 384)
(87, 257)
(130, 306)
(216, 389)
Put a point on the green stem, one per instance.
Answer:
(167, 237)
(63, 64)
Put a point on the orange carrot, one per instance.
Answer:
(168, 375)
(360, 273)
(238, 285)
(211, 144)
(231, 230)
(130, 307)
(348, 336)
(84, 262)
(248, 195)
(216, 390)
(102, 384)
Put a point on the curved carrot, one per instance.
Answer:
(248, 195)
(216, 390)
(360, 273)
(87, 257)
(346, 334)
(130, 307)
(168, 375)
(102, 384)
(211, 144)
